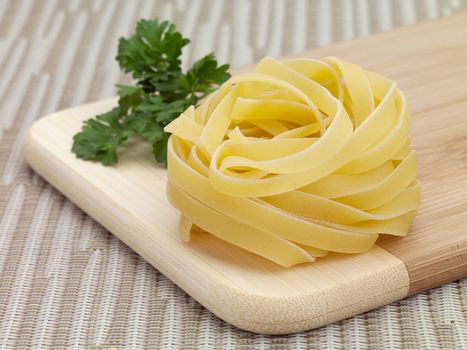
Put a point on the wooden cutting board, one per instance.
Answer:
(429, 61)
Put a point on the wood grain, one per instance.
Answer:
(428, 61)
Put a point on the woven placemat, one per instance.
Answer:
(65, 282)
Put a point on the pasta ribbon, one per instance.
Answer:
(295, 160)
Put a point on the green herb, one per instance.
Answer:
(161, 92)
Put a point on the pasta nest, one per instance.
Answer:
(297, 159)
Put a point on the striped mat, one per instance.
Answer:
(67, 283)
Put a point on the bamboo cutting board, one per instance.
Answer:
(429, 61)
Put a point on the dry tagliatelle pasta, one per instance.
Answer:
(297, 159)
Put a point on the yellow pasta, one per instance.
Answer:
(295, 160)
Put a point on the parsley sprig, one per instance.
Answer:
(161, 92)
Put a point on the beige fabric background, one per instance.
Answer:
(67, 283)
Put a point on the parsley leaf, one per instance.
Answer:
(152, 55)
(160, 94)
(204, 76)
(100, 138)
